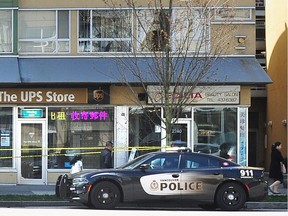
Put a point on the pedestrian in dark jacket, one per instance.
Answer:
(106, 156)
(275, 171)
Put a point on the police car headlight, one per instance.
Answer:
(80, 181)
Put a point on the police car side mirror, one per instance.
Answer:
(144, 166)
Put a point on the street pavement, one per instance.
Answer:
(8, 189)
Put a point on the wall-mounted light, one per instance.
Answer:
(241, 42)
(241, 38)
(284, 122)
(269, 124)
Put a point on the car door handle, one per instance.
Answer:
(175, 175)
(216, 173)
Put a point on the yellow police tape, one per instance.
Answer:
(56, 152)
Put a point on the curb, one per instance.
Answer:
(37, 203)
(266, 205)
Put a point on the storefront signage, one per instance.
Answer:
(89, 115)
(31, 113)
(243, 136)
(99, 95)
(99, 115)
(198, 95)
(5, 138)
(43, 96)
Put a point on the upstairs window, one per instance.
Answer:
(104, 31)
(6, 31)
(44, 32)
(185, 30)
(191, 30)
(153, 30)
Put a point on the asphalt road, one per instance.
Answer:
(89, 212)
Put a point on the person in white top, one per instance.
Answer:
(77, 164)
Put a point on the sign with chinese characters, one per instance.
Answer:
(80, 115)
(99, 115)
(43, 96)
(243, 133)
(198, 95)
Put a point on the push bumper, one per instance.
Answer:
(258, 192)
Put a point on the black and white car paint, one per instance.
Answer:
(188, 177)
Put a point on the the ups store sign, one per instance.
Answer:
(50, 96)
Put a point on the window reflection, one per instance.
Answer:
(104, 31)
(78, 130)
(144, 129)
(6, 33)
(44, 31)
(216, 131)
(6, 137)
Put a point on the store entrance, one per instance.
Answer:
(31, 152)
(181, 134)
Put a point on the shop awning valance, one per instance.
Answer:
(105, 70)
(9, 71)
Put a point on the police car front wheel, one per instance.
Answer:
(105, 195)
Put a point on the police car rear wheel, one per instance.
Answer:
(231, 196)
(105, 195)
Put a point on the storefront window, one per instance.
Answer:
(6, 137)
(144, 129)
(216, 131)
(78, 130)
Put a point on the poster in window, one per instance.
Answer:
(5, 141)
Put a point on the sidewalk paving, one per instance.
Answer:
(8, 189)
(19, 189)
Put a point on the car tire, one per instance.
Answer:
(231, 196)
(105, 195)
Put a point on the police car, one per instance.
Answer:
(177, 176)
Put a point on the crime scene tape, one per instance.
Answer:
(57, 152)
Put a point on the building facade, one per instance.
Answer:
(277, 68)
(62, 89)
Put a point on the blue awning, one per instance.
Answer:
(104, 70)
(9, 70)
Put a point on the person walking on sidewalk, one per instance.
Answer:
(276, 167)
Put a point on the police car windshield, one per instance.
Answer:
(136, 162)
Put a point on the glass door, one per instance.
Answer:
(181, 136)
(32, 151)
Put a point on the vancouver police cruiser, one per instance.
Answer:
(177, 176)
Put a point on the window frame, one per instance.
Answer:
(7, 136)
(12, 31)
(79, 136)
(46, 41)
(174, 33)
(91, 39)
(233, 18)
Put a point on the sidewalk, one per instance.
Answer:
(6, 189)
(10, 189)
